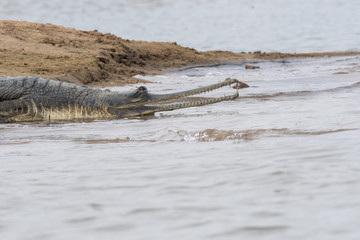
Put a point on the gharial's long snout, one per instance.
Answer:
(167, 102)
(170, 96)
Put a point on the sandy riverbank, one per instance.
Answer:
(94, 58)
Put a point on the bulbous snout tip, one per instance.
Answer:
(142, 89)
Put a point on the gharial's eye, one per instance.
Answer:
(142, 89)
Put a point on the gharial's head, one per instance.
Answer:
(140, 102)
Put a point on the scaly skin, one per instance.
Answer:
(24, 99)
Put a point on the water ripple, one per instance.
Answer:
(256, 230)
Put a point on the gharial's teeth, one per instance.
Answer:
(226, 82)
(197, 103)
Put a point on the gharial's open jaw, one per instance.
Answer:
(159, 98)
(161, 102)
(163, 97)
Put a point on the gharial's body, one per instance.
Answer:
(37, 99)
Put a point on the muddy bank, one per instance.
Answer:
(94, 58)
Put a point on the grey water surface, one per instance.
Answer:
(280, 162)
(235, 25)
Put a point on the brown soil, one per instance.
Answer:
(94, 58)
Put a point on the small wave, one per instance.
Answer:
(253, 230)
(106, 141)
(13, 143)
(301, 93)
(211, 135)
(103, 141)
(145, 211)
(80, 220)
(115, 227)
(192, 225)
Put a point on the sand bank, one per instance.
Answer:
(94, 58)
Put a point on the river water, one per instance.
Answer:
(235, 25)
(280, 162)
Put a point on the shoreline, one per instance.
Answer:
(97, 59)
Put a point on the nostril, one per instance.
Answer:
(142, 89)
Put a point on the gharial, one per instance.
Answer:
(24, 99)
